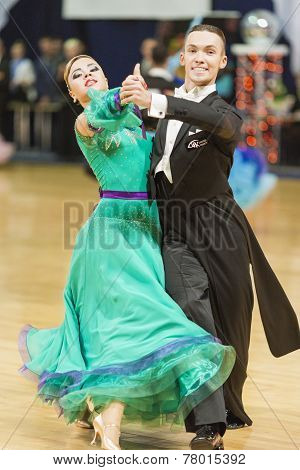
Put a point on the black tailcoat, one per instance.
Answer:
(211, 229)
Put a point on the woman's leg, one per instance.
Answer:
(113, 414)
(107, 423)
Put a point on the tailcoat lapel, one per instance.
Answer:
(185, 126)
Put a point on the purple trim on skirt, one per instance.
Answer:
(25, 372)
(123, 194)
(22, 343)
(127, 368)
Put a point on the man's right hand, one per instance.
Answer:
(137, 76)
(134, 89)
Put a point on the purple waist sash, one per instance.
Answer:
(124, 194)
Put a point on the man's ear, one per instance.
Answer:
(223, 62)
(181, 58)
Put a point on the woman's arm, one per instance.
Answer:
(82, 127)
(104, 111)
(101, 119)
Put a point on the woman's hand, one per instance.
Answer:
(134, 90)
(82, 126)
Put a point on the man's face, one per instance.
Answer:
(202, 58)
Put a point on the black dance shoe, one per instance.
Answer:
(233, 422)
(207, 439)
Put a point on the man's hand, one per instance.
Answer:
(134, 90)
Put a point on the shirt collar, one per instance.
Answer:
(197, 93)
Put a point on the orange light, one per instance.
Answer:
(248, 83)
(250, 130)
(271, 67)
(253, 57)
(251, 141)
(272, 120)
(242, 95)
(272, 157)
(260, 67)
(240, 105)
(263, 126)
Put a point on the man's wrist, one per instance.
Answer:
(158, 106)
(149, 100)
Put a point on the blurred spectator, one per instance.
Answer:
(22, 75)
(146, 51)
(4, 86)
(57, 46)
(71, 47)
(7, 150)
(66, 142)
(158, 78)
(46, 69)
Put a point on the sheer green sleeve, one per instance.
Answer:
(105, 111)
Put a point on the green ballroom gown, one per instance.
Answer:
(122, 337)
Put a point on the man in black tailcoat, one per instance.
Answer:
(208, 244)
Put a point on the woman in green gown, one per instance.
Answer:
(125, 348)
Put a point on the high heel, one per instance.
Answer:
(99, 427)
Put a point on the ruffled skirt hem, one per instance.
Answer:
(163, 386)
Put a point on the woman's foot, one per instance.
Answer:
(84, 421)
(107, 424)
(83, 424)
(109, 434)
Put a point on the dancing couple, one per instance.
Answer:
(150, 335)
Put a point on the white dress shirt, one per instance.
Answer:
(158, 109)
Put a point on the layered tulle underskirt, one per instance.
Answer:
(163, 386)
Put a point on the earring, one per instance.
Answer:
(74, 99)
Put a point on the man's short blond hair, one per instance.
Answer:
(211, 29)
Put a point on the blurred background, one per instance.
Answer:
(47, 192)
(38, 37)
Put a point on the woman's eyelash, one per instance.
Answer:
(76, 75)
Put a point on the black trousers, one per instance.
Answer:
(208, 275)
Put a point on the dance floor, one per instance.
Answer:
(35, 240)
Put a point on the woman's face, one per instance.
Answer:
(84, 74)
